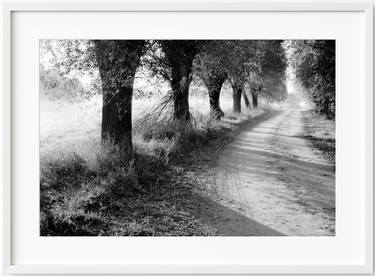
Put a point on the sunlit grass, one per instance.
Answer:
(67, 128)
(86, 189)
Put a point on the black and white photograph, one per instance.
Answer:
(187, 137)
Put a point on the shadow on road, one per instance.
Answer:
(228, 222)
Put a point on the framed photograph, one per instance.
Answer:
(163, 137)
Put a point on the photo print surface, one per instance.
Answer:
(187, 137)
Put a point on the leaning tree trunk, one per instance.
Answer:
(214, 84)
(118, 61)
(237, 92)
(180, 55)
(254, 95)
(246, 99)
(215, 110)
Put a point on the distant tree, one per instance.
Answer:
(56, 86)
(235, 58)
(240, 62)
(268, 77)
(313, 63)
(226, 59)
(257, 64)
(69, 55)
(214, 61)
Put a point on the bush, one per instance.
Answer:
(58, 87)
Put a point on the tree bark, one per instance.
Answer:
(237, 87)
(214, 81)
(215, 110)
(254, 95)
(237, 92)
(118, 61)
(246, 99)
(180, 55)
(117, 119)
(180, 84)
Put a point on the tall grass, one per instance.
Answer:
(86, 189)
(67, 128)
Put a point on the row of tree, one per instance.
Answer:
(253, 67)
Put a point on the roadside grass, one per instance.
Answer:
(86, 189)
(321, 133)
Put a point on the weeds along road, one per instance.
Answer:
(275, 177)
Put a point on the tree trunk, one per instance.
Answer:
(237, 92)
(215, 110)
(180, 84)
(246, 99)
(214, 82)
(254, 95)
(118, 61)
(180, 55)
(117, 119)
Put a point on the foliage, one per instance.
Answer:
(258, 64)
(69, 54)
(155, 61)
(210, 61)
(57, 86)
(118, 61)
(313, 63)
(253, 61)
(235, 57)
(269, 78)
(68, 59)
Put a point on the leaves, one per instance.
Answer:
(313, 63)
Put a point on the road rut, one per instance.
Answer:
(273, 176)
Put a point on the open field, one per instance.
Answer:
(67, 127)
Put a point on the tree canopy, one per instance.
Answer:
(313, 63)
(254, 66)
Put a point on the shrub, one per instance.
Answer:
(57, 86)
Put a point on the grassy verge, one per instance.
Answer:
(163, 192)
(321, 133)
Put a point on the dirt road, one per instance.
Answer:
(275, 177)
